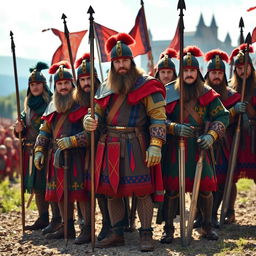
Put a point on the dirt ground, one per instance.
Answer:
(235, 239)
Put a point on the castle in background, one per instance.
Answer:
(205, 37)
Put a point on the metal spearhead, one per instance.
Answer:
(241, 23)
(181, 5)
(241, 26)
(91, 32)
(248, 38)
(63, 17)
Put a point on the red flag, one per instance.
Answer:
(175, 43)
(254, 35)
(62, 52)
(140, 34)
(102, 34)
(251, 8)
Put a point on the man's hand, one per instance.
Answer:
(183, 130)
(90, 124)
(19, 126)
(205, 141)
(39, 160)
(64, 143)
(153, 155)
(240, 107)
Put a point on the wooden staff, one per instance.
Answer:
(235, 143)
(91, 41)
(20, 140)
(181, 6)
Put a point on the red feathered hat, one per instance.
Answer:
(165, 60)
(216, 60)
(189, 57)
(238, 55)
(61, 71)
(117, 46)
(84, 66)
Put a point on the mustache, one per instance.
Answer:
(188, 77)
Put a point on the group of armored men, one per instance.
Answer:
(137, 130)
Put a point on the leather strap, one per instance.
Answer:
(119, 101)
(189, 108)
(59, 124)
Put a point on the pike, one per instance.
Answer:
(66, 31)
(235, 144)
(65, 217)
(91, 42)
(181, 6)
(196, 186)
(20, 139)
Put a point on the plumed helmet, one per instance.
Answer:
(189, 57)
(61, 71)
(165, 60)
(118, 46)
(36, 76)
(215, 59)
(238, 55)
(83, 66)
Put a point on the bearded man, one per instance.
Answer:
(201, 104)
(63, 127)
(131, 118)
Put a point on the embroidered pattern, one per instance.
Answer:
(218, 109)
(81, 139)
(42, 141)
(218, 127)
(158, 132)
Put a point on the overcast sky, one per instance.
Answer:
(27, 18)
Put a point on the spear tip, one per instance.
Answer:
(248, 39)
(11, 34)
(90, 10)
(181, 5)
(241, 23)
(141, 2)
(63, 17)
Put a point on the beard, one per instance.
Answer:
(62, 102)
(123, 83)
(219, 88)
(81, 97)
(191, 91)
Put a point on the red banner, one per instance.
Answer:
(251, 8)
(62, 52)
(175, 43)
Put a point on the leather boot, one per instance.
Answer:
(146, 241)
(167, 235)
(207, 231)
(59, 234)
(198, 220)
(205, 204)
(85, 235)
(106, 225)
(230, 217)
(217, 198)
(40, 223)
(171, 206)
(53, 226)
(114, 238)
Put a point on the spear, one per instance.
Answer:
(66, 31)
(235, 144)
(20, 140)
(181, 6)
(241, 26)
(91, 42)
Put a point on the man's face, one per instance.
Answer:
(64, 87)
(166, 75)
(216, 77)
(85, 83)
(36, 89)
(189, 75)
(240, 71)
(122, 66)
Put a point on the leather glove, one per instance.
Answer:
(39, 160)
(183, 130)
(205, 141)
(19, 126)
(153, 155)
(89, 123)
(66, 142)
(240, 107)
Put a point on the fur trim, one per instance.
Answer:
(86, 57)
(123, 37)
(223, 55)
(55, 66)
(170, 52)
